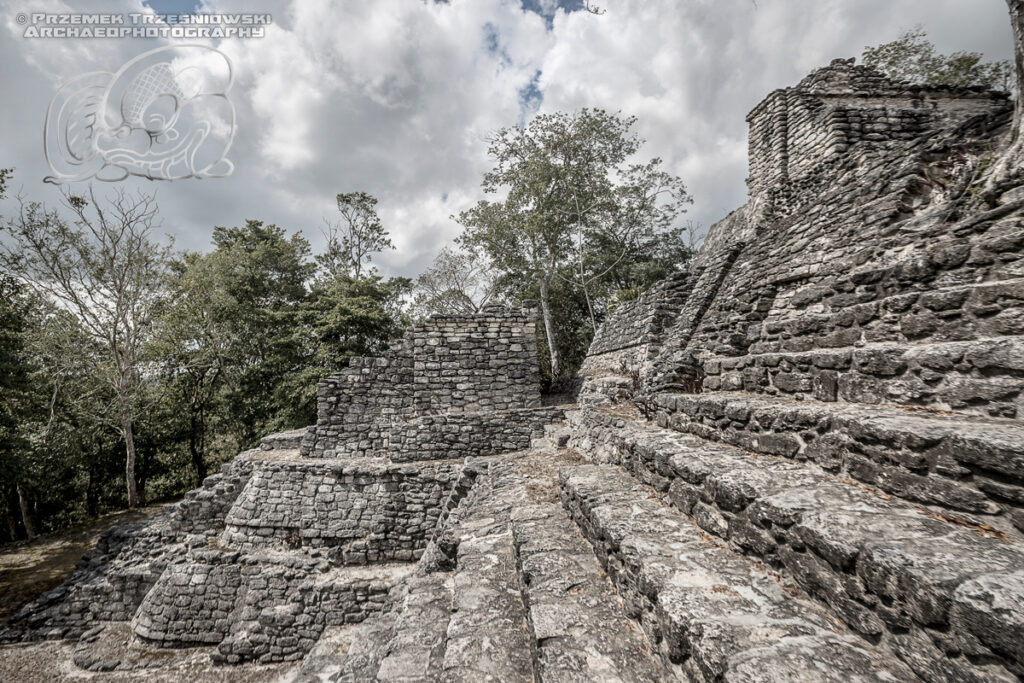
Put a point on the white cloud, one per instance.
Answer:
(397, 97)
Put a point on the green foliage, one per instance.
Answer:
(54, 455)
(352, 240)
(233, 344)
(103, 269)
(912, 58)
(5, 175)
(458, 282)
(14, 375)
(355, 317)
(262, 273)
(578, 221)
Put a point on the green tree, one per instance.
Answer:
(104, 269)
(191, 343)
(352, 317)
(5, 175)
(458, 282)
(63, 462)
(262, 273)
(635, 241)
(14, 386)
(569, 190)
(73, 453)
(355, 237)
(344, 317)
(912, 58)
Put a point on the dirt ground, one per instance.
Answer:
(49, 662)
(29, 569)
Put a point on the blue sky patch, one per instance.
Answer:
(172, 6)
(530, 97)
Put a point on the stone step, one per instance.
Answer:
(327, 658)
(941, 594)
(714, 614)
(284, 441)
(963, 463)
(368, 648)
(577, 620)
(517, 599)
(406, 642)
(488, 631)
(557, 434)
(417, 647)
(960, 312)
(983, 377)
(540, 443)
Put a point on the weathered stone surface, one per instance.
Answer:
(711, 611)
(358, 510)
(279, 548)
(417, 646)
(991, 608)
(880, 564)
(446, 365)
(582, 634)
(862, 271)
(935, 459)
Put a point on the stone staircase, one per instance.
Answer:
(936, 589)
(714, 614)
(664, 557)
(967, 465)
(510, 591)
(820, 474)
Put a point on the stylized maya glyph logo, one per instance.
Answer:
(164, 116)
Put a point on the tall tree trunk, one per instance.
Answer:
(10, 500)
(91, 504)
(1017, 23)
(590, 308)
(26, 514)
(549, 327)
(1007, 169)
(129, 461)
(193, 447)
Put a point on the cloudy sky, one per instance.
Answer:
(397, 97)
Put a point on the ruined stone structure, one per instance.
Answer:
(839, 396)
(455, 386)
(800, 459)
(313, 529)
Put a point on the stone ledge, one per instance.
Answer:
(267, 607)
(958, 312)
(714, 614)
(984, 376)
(577, 619)
(461, 435)
(970, 464)
(886, 568)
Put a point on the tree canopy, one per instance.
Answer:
(226, 345)
(578, 213)
(913, 58)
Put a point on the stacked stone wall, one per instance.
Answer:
(461, 435)
(355, 405)
(862, 217)
(266, 607)
(475, 363)
(639, 322)
(360, 513)
(446, 365)
(795, 130)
